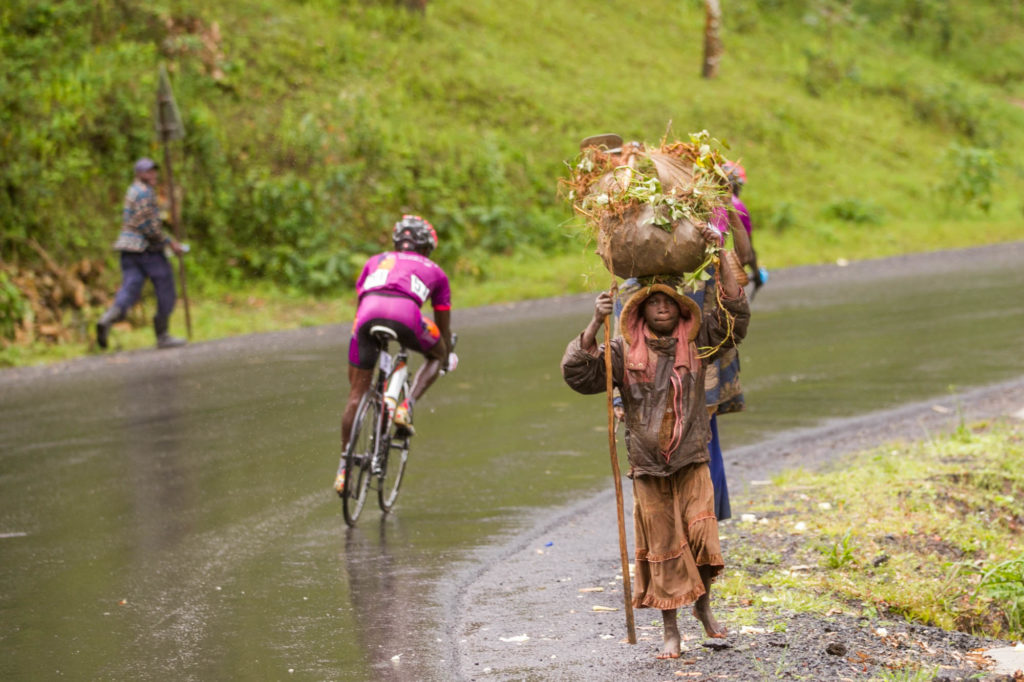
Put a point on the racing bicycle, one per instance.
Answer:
(378, 449)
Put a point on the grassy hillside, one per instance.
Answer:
(866, 127)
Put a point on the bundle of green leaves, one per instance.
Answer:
(679, 180)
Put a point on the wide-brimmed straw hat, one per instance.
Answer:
(686, 305)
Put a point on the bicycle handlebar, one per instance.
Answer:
(451, 354)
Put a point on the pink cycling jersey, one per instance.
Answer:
(744, 214)
(392, 288)
(407, 274)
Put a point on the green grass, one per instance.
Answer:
(929, 531)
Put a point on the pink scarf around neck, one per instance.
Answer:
(637, 360)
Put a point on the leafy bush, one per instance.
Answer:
(1003, 583)
(951, 104)
(13, 307)
(781, 217)
(973, 176)
(853, 210)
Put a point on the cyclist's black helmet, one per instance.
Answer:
(416, 231)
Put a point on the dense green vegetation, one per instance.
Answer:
(867, 127)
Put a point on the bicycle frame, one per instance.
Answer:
(387, 365)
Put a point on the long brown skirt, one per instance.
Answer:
(676, 532)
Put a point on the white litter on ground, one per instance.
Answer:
(1009, 659)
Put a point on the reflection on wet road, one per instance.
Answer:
(177, 521)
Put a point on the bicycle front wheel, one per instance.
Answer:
(359, 456)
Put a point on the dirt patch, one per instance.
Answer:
(924, 544)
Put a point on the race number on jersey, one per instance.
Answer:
(377, 279)
(419, 288)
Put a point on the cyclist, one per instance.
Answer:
(391, 289)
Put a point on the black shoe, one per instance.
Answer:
(102, 331)
(113, 314)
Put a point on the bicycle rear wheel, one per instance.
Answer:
(392, 470)
(359, 456)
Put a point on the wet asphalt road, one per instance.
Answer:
(191, 485)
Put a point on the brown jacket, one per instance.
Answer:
(646, 402)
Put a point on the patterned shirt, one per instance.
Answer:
(140, 221)
(407, 274)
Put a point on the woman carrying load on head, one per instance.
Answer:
(722, 384)
(660, 375)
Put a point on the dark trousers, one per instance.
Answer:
(136, 268)
(723, 510)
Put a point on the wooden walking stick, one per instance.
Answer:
(627, 589)
(179, 234)
(170, 127)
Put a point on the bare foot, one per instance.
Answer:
(673, 643)
(702, 612)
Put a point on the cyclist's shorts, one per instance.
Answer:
(415, 330)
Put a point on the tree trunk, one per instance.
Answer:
(713, 48)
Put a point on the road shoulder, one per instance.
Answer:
(540, 606)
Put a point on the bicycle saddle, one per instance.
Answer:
(381, 330)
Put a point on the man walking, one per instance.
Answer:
(142, 242)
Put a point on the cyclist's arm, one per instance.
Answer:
(443, 318)
(441, 300)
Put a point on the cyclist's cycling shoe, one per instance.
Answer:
(339, 482)
(403, 419)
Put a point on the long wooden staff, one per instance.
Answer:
(624, 178)
(170, 128)
(627, 590)
(179, 235)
